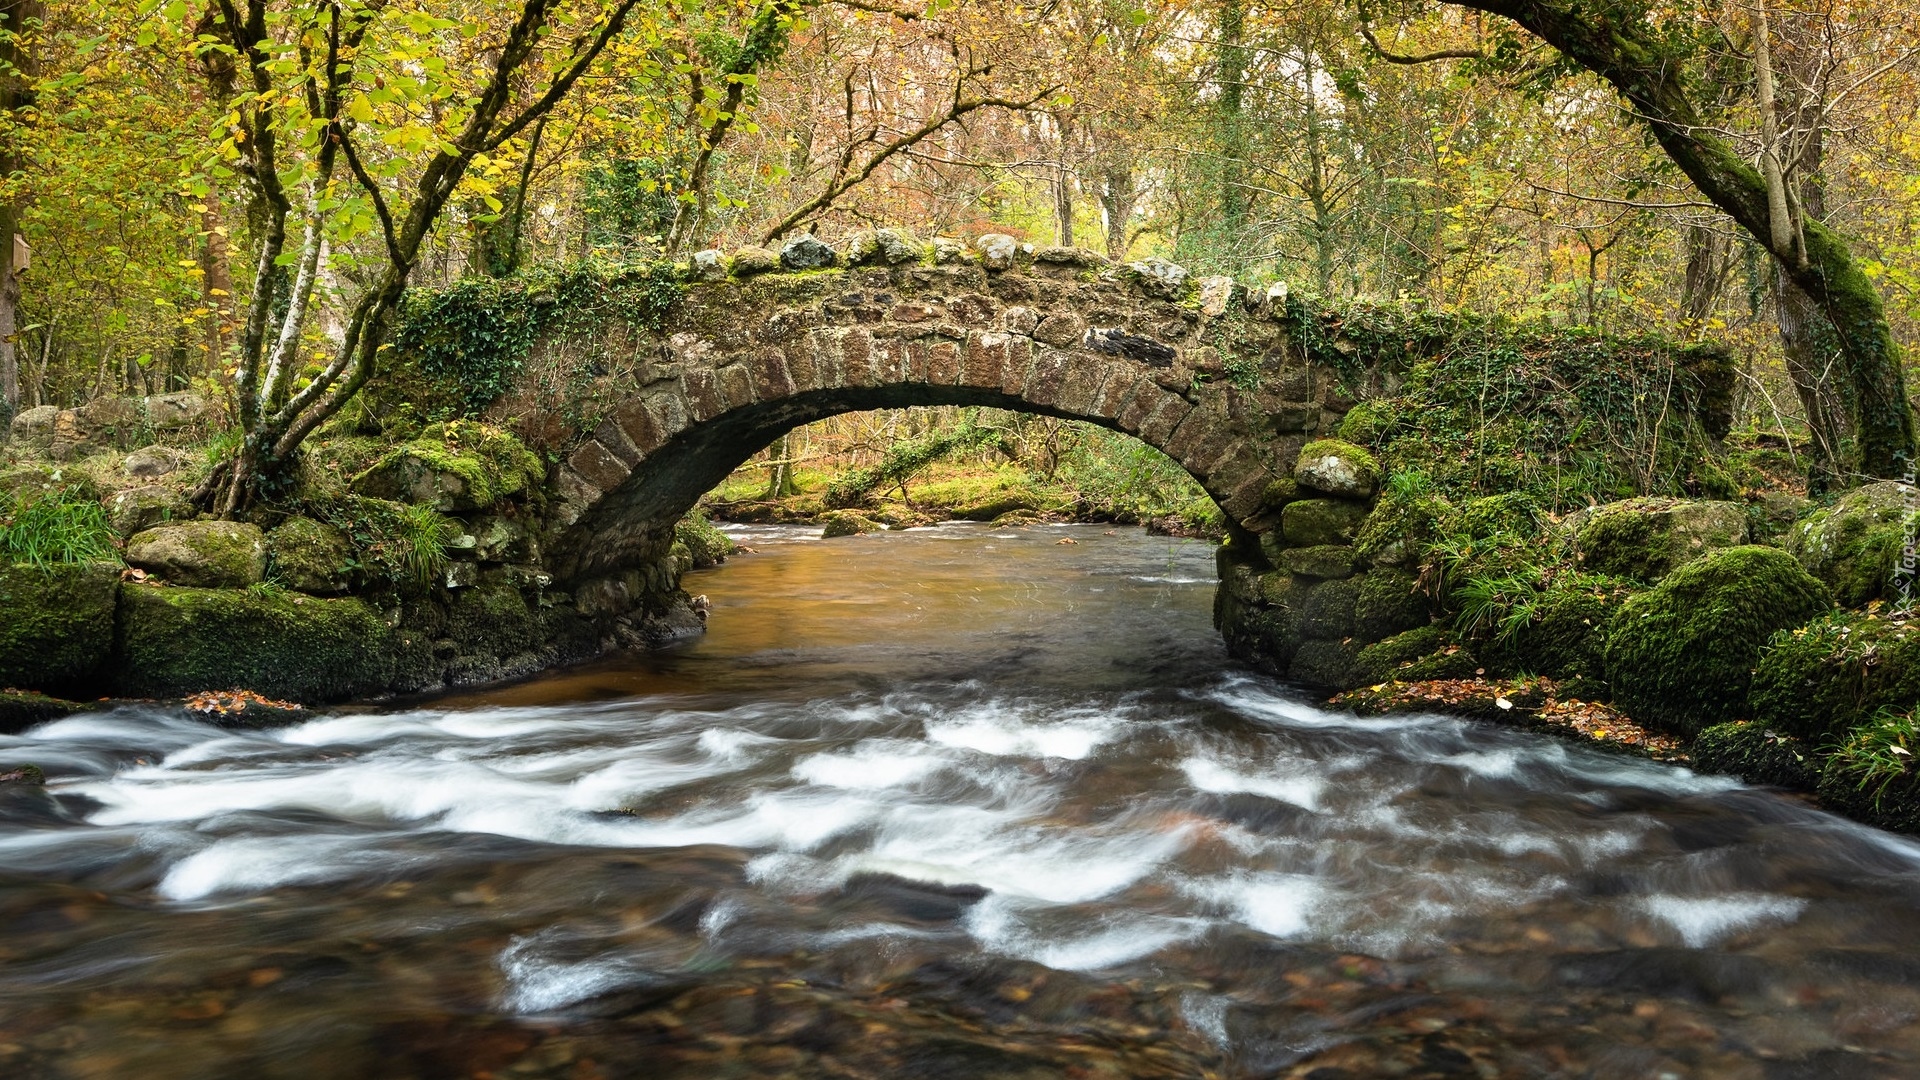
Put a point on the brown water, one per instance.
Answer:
(950, 803)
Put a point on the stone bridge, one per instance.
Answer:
(763, 342)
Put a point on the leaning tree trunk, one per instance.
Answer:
(1648, 70)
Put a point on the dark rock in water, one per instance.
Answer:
(1119, 343)
(1689, 974)
(918, 900)
(22, 775)
(805, 253)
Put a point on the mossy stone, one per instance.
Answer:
(310, 556)
(20, 709)
(1400, 527)
(1858, 544)
(1821, 680)
(1329, 561)
(1681, 655)
(1326, 664)
(1373, 422)
(1424, 652)
(56, 625)
(706, 545)
(847, 523)
(1325, 608)
(1646, 538)
(455, 467)
(204, 554)
(23, 775)
(1388, 603)
(1757, 754)
(1338, 468)
(1314, 522)
(1895, 807)
(178, 641)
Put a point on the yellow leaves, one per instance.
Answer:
(360, 109)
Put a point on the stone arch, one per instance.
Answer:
(740, 363)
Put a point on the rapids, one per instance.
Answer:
(955, 802)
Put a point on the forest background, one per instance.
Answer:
(1425, 153)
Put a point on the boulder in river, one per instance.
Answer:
(848, 523)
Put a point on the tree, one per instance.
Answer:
(349, 102)
(19, 23)
(1648, 58)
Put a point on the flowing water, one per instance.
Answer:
(956, 802)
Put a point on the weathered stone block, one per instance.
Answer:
(1327, 561)
(214, 554)
(1313, 522)
(310, 556)
(56, 626)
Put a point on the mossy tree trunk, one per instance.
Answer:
(1614, 41)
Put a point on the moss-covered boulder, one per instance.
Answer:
(1315, 522)
(1822, 680)
(22, 775)
(310, 556)
(1857, 545)
(204, 554)
(1337, 468)
(1757, 754)
(454, 468)
(1389, 602)
(1681, 655)
(847, 523)
(1325, 561)
(1565, 635)
(1425, 652)
(282, 645)
(56, 625)
(706, 545)
(1646, 539)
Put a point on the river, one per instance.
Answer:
(953, 802)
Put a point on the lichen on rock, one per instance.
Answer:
(1337, 468)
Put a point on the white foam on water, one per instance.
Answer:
(870, 765)
(1004, 926)
(1005, 731)
(259, 864)
(1492, 764)
(1278, 905)
(1247, 698)
(536, 984)
(1213, 776)
(1702, 920)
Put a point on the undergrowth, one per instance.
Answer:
(48, 527)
